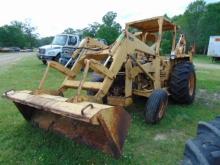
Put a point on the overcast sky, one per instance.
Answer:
(53, 16)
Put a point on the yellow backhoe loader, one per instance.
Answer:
(131, 67)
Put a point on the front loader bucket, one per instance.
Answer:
(100, 126)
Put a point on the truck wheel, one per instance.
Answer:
(205, 148)
(57, 58)
(44, 62)
(213, 59)
(156, 106)
(183, 83)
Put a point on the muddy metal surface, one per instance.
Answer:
(10, 58)
(104, 128)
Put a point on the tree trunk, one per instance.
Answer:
(205, 50)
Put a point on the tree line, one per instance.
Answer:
(198, 22)
(109, 29)
(18, 34)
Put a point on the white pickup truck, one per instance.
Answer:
(53, 51)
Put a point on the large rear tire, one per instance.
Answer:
(183, 83)
(156, 106)
(205, 148)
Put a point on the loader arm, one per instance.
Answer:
(126, 44)
(125, 47)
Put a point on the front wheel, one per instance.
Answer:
(156, 106)
(57, 58)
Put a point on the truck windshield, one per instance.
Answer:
(59, 40)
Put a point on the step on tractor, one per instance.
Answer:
(132, 66)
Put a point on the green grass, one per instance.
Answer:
(208, 79)
(204, 59)
(23, 144)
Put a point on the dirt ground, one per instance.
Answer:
(207, 66)
(10, 58)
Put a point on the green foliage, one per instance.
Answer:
(199, 22)
(91, 30)
(69, 31)
(109, 18)
(18, 34)
(195, 8)
(208, 25)
(110, 29)
(45, 41)
(166, 43)
(11, 36)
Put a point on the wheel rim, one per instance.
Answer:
(161, 110)
(191, 84)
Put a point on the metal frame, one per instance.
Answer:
(127, 52)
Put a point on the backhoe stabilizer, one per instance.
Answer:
(100, 126)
